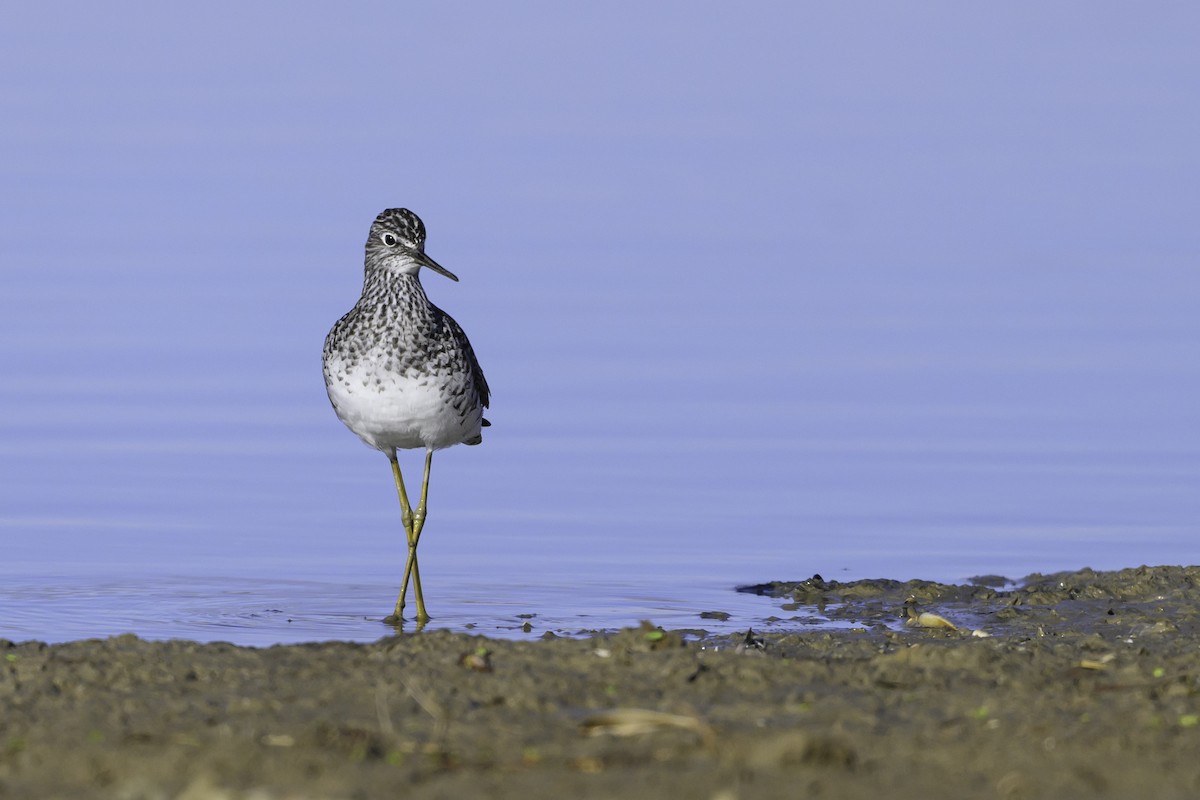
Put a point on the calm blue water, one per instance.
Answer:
(760, 295)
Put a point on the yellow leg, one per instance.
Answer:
(418, 523)
(413, 523)
(410, 565)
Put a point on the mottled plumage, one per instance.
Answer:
(399, 371)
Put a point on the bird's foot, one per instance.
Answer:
(397, 621)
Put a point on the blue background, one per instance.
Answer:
(903, 291)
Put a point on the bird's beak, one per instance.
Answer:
(426, 261)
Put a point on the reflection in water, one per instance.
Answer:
(261, 613)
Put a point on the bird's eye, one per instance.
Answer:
(389, 240)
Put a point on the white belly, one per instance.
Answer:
(399, 411)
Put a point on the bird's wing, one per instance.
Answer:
(481, 385)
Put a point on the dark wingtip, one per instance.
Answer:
(483, 423)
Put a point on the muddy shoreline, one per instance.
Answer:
(1066, 685)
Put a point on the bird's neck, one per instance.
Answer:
(385, 285)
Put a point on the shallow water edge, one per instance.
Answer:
(1087, 685)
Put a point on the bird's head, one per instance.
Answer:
(397, 244)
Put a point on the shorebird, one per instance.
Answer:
(400, 372)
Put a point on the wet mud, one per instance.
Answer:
(1081, 684)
